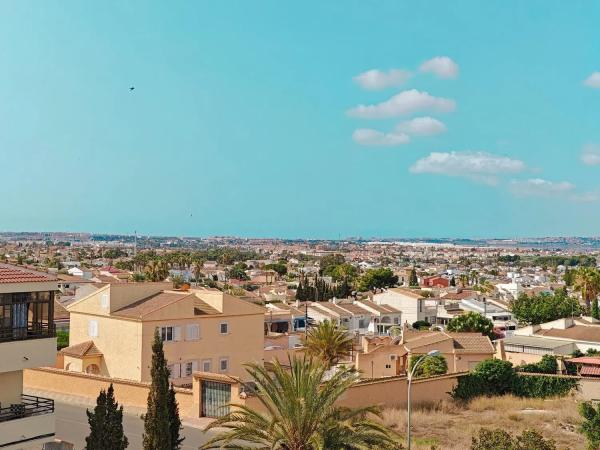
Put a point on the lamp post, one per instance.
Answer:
(410, 377)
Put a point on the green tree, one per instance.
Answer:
(377, 278)
(279, 267)
(430, 367)
(472, 322)
(162, 416)
(344, 271)
(328, 343)
(590, 427)
(413, 280)
(301, 413)
(328, 263)
(453, 281)
(587, 281)
(544, 307)
(238, 272)
(569, 277)
(106, 424)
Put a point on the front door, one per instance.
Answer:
(216, 398)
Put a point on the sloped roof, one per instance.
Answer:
(147, 305)
(201, 308)
(589, 333)
(87, 348)
(471, 343)
(16, 274)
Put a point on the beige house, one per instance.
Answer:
(385, 356)
(202, 329)
(27, 340)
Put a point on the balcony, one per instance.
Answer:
(29, 406)
(31, 422)
(33, 330)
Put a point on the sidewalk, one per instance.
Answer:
(59, 397)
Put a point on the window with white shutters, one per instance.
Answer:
(192, 332)
(93, 328)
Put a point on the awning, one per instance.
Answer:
(590, 370)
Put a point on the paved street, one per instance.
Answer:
(72, 426)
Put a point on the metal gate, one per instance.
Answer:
(215, 398)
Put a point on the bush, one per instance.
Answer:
(548, 364)
(590, 426)
(62, 339)
(498, 439)
(495, 377)
(421, 324)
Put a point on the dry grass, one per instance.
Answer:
(450, 425)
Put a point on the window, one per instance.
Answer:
(168, 334)
(224, 364)
(104, 301)
(224, 328)
(190, 367)
(206, 365)
(174, 371)
(193, 332)
(93, 328)
(388, 366)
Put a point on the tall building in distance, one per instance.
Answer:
(27, 340)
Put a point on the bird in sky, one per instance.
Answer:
(131, 88)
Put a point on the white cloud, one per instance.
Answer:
(586, 197)
(591, 155)
(378, 79)
(593, 80)
(405, 102)
(478, 166)
(538, 187)
(442, 66)
(421, 126)
(375, 138)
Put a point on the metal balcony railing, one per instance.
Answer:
(33, 330)
(29, 406)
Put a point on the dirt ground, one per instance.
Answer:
(449, 425)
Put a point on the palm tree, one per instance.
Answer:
(156, 270)
(464, 279)
(301, 413)
(587, 281)
(328, 343)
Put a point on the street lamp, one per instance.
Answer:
(410, 377)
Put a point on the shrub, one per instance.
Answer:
(498, 439)
(590, 426)
(548, 364)
(495, 377)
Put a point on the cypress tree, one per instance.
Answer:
(453, 281)
(595, 309)
(157, 426)
(413, 280)
(175, 421)
(106, 424)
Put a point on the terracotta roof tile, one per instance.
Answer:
(87, 348)
(15, 274)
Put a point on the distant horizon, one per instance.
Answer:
(300, 238)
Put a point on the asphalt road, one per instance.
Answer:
(72, 426)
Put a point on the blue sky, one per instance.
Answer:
(246, 118)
